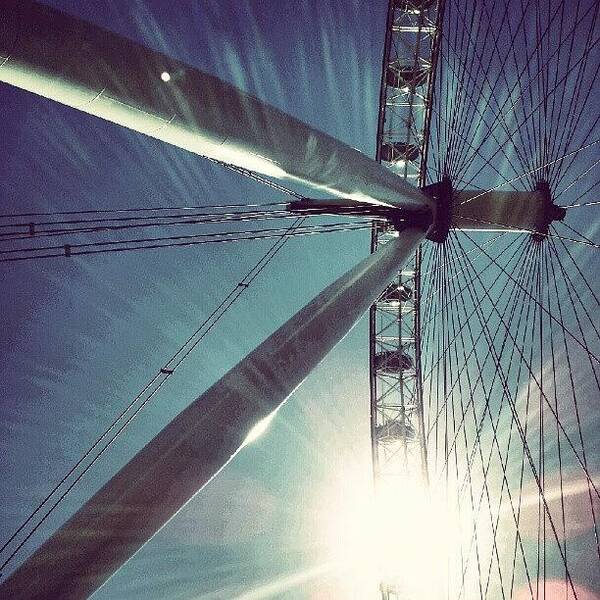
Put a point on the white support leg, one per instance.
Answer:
(123, 515)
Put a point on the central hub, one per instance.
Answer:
(491, 210)
(441, 194)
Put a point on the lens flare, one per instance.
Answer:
(259, 429)
(555, 590)
(396, 538)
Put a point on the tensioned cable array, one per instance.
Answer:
(16, 229)
(12, 227)
(509, 334)
(74, 475)
(467, 373)
(142, 210)
(128, 245)
(22, 235)
(23, 226)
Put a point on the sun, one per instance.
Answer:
(395, 537)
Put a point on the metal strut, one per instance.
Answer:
(93, 70)
(128, 510)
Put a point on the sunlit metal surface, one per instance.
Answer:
(93, 70)
(188, 452)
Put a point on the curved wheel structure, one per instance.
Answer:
(484, 350)
(397, 429)
(506, 322)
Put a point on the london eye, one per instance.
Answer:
(215, 233)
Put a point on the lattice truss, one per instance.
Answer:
(407, 76)
(396, 400)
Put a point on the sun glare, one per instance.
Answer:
(259, 429)
(397, 537)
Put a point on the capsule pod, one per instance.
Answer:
(394, 294)
(392, 362)
(414, 6)
(395, 431)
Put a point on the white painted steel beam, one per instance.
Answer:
(93, 70)
(498, 210)
(188, 452)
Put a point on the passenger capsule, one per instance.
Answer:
(392, 362)
(414, 6)
(394, 294)
(393, 431)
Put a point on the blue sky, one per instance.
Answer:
(81, 337)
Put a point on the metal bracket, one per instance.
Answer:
(552, 212)
(441, 194)
(400, 218)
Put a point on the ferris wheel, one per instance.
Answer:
(483, 347)
(477, 376)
